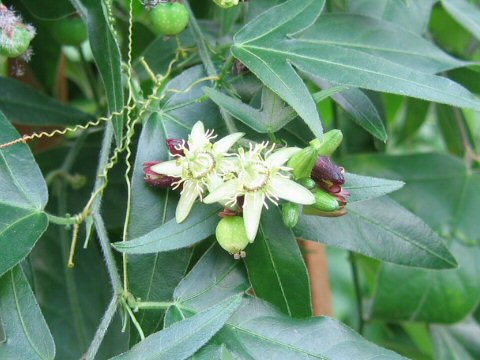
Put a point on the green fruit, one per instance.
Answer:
(325, 201)
(71, 31)
(231, 235)
(169, 18)
(226, 3)
(15, 42)
(291, 213)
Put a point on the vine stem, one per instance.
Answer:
(358, 292)
(207, 62)
(151, 305)
(102, 329)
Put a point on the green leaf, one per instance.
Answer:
(416, 112)
(24, 105)
(266, 47)
(430, 296)
(273, 114)
(257, 330)
(199, 225)
(381, 229)
(466, 13)
(23, 195)
(184, 338)
(411, 15)
(453, 127)
(446, 346)
(380, 39)
(106, 53)
(152, 277)
(49, 9)
(366, 188)
(442, 191)
(218, 352)
(27, 334)
(276, 267)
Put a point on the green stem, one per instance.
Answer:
(207, 62)
(58, 220)
(102, 329)
(134, 319)
(108, 254)
(151, 305)
(358, 292)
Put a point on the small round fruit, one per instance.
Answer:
(232, 236)
(15, 42)
(169, 18)
(70, 31)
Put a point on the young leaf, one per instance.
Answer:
(23, 195)
(106, 52)
(276, 267)
(366, 188)
(22, 104)
(264, 47)
(466, 13)
(26, 333)
(199, 225)
(381, 229)
(184, 338)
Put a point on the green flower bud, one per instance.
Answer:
(226, 3)
(325, 201)
(291, 213)
(308, 183)
(330, 142)
(232, 236)
(303, 162)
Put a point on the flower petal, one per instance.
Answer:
(214, 181)
(280, 157)
(224, 144)
(188, 197)
(169, 168)
(227, 192)
(252, 212)
(291, 191)
(197, 138)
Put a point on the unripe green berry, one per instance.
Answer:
(169, 18)
(70, 31)
(226, 3)
(232, 236)
(15, 42)
(291, 214)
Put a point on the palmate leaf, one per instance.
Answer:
(106, 53)
(23, 195)
(267, 47)
(257, 330)
(26, 333)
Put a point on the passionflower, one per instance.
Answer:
(260, 174)
(198, 166)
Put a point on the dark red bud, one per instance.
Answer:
(157, 180)
(326, 170)
(176, 146)
(240, 68)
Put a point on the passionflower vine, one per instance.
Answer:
(260, 174)
(198, 166)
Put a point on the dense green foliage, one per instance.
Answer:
(95, 263)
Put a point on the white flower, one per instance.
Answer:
(200, 168)
(260, 177)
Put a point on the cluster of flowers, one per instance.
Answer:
(242, 182)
